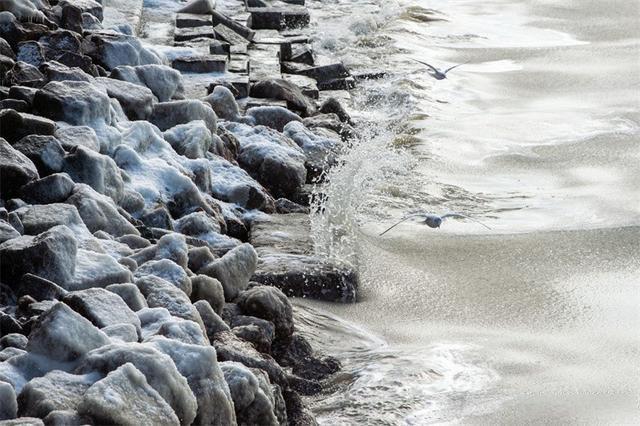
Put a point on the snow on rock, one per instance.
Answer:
(72, 136)
(8, 402)
(159, 370)
(56, 390)
(54, 188)
(125, 398)
(163, 81)
(121, 332)
(198, 364)
(75, 102)
(110, 50)
(321, 152)
(102, 307)
(171, 246)
(181, 330)
(130, 294)
(136, 101)
(233, 269)
(167, 270)
(64, 335)
(97, 270)
(162, 294)
(38, 218)
(192, 139)
(96, 170)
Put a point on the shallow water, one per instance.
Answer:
(538, 136)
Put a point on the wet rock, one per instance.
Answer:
(212, 322)
(96, 170)
(23, 93)
(64, 335)
(14, 104)
(162, 294)
(15, 170)
(39, 288)
(167, 270)
(159, 370)
(284, 206)
(125, 397)
(54, 188)
(8, 402)
(199, 7)
(198, 257)
(157, 218)
(233, 269)
(71, 18)
(14, 340)
(223, 103)
(31, 53)
(110, 50)
(169, 114)
(252, 405)
(272, 116)
(164, 82)
(321, 153)
(44, 151)
(271, 304)
(209, 289)
(42, 217)
(192, 140)
(299, 355)
(284, 90)
(14, 31)
(256, 335)
(333, 106)
(56, 390)
(332, 122)
(136, 101)
(50, 255)
(86, 6)
(72, 136)
(124, 333)
(8, 353)
(99, 212)
(130, 294)
(76, 102)
(102, 307)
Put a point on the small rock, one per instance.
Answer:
(136, 101)
(209, 289)
(223, 103)
(167, 270)
(212, 321)
(169, 114)
(192, 140)
(162, 294)
(39, 288)
(275, 117)
(284, 90)
(198, 257)
(96, 170)
(14, 340)
(72, 136)
(163, 81)
(8, 402)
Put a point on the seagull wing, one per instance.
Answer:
(411, 216)
(430, 66)
(450, 68)
(462, 216)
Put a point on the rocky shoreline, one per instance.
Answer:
(156, 165)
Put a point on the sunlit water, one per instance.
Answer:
(536, 321)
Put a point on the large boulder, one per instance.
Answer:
(136, 101)
(110, 50)
(271, 304)
(286, 91)
(16, 170)
(125, 398)
(86, 6)
(192, 140)
(54, 188)
(162, 294)
(159, 369)
(102, 307)
(96, 170)
(76, 102)
(51, 255)
(163, 81)
(39, 218)
(223, 103)
(167, 270)
(233, 269)
(8, 402)
(275, 117)
(16, 125)
(169, 114)
(64, 335)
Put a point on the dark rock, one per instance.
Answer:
(14, 340)
(284, 90)
(209, 289)
(272, 18)
(223, 103)
(271, 304)
(14, 104)
(346, 83)
(9, 325)
(6, 50)
(320, 73)
(86, 6)
(213, 324)
(245, 32)
(200, 7)
(16, 170)
(71, 18)
(39, 218)
(332, 122)
(54, 188)
(255, 335)
(302, 54)
(14, 32)
(169, 114)
(193, 19)
(8, 403)
(7, 232)
(162, 294)
(72, 136)
(39, 288)
(136, 101)
(110, 50)
(55, 71)
(31, 52)
(284, 206)
(44, 151)
(23, 93)
(198, 257)
(24, 74)
(333, 106)
(16, 125)
(272, 116)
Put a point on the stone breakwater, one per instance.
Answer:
(154, 211)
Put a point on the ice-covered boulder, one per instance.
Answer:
(275, 117)
(165, 82)
(54, 188)
(38, 218)
(251, 403)
(181, 330)
(102, 307)
(169, 114)
(162, 294)
(233, 269)
(159, 370)
(44, 151)
(8, 402)
(125, 398)
(136, 101)
(167, 270)
(64, 335)
(124, 333)
(223, 103)
(321, 152)
(72, 136)
(96, 170)
(56, 390)
(213, 323)
(286, 91)
(51, 255)
(171, 246)
(110, 50)
(15, 170)
(95, 269)
(209, 289)
(192, 139)
(130, 294)
(76, 102)
(271, 304)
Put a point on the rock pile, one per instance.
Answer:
(149, 233)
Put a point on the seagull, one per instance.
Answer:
(433, 220)
(437, 74)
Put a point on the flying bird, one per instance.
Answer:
(433, 220)
(437, 74)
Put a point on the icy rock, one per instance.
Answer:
(9, 403)
(200, 367)
(38, 218)
(181, 330)
(157, 218)
(64, 335)
(16, 125)
(86, 6)
(134, 241)
(14, 340)
(199, 7)
(332, 105)
(96, 170)
(321, 152)
(271, 304)
(223, 103)
(8, 353)
(197, 224)
(55, 71)
(233, 269)
(209, 289)
(15, 170)
(125, 333)
(284, 206)
(57, 390)
(97, 270)
(286, 91)
(130, 294)
(39, 288)
(23, 421)
(275, 117)
(192, 140)
(165, 82)
(76, 102)
(136, 101)
(24, 74)
(162, 294)
(332, 122)
(251, 403)
(212, 321)
(171, 246)
(110, 50)
(54, 188)
(99, 212)
(102, 307)
(50, 255)
(232, 184)
(8, 232)
(167, 270)
(198, 257)
(158, 368)
(169, 114)
(72, 136)
(65, 418)
(125, 398)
